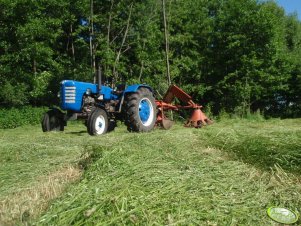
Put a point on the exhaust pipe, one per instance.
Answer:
(99, 78)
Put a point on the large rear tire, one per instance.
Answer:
(53, 121)
(98, 122)
(140, 111)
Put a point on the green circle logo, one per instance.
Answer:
(282, 215)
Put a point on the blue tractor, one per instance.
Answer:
(101, 106)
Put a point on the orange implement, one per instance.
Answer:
(197, 118)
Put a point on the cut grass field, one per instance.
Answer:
(228, 173)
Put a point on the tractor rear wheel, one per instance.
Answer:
(52, 121)
(140, 111)
(98, 122)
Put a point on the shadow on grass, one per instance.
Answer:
(79, 133)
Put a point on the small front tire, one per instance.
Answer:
(98, 122)
(53, 121)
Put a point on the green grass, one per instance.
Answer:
(264, 144)
(27, 152)
(34, 166)
(228, 173)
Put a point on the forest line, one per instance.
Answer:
(233, 56)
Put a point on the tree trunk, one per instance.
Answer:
(34, 66)
(109, 22)
(166, 43)
(122, 44)
(92, 53)
(72, 43)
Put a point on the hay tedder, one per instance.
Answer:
(101, 106)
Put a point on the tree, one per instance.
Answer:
(235, 55)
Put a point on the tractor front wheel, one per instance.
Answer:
(98, 122)
(53, 121)
(140, 111)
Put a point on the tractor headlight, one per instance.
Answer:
(100, 97)
(88, 92)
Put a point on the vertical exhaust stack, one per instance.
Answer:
(99, 78)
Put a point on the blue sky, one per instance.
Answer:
(291, 6)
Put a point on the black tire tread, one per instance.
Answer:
(132, 119)
(47, 121)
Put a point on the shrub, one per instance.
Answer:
(15, 117)
(14, 94)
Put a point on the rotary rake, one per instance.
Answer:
(197, 118)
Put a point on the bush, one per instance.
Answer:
(14, 94)
(15, 117)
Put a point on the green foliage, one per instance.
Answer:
(234, 55)
(15, 117)
(40, 85)
(35, 38)
(14, 95)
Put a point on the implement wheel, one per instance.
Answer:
(98, 122)
(53, 121)
(140, 111)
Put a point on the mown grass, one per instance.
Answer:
(27, 152)
(224, 174)
(264, 143)
(34, 168)
(184, 177)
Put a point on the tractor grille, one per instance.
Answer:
(70, 94)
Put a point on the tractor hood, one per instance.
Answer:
(72, 93)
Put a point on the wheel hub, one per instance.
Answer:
(99, 125)
(145, 112)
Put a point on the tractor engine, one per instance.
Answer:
(88, 105)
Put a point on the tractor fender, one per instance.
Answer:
(134, 88)
(131, 89)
